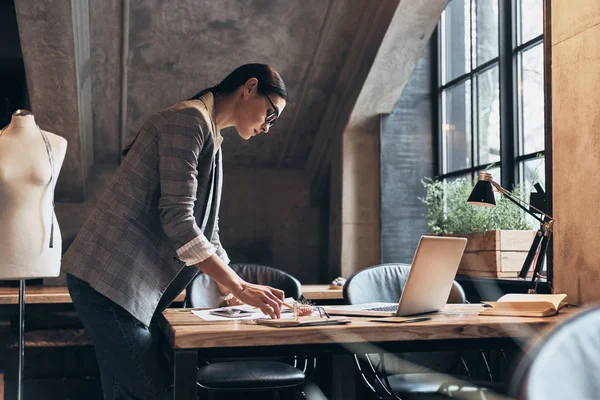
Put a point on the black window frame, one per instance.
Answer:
(507, 62)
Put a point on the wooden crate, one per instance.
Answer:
(497, 254)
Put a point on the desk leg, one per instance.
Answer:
(185, 364)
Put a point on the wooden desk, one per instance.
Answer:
(458, 326)
(46, 295)
(321, 292)
(60, 294)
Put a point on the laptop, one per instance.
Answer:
(428, 285)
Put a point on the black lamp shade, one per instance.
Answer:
(482, 194)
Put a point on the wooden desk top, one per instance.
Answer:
(45, 295)
(186, 331)
(60, 294)
(322, 292)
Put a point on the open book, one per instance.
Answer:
(525, 305)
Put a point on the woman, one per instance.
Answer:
(156, 226)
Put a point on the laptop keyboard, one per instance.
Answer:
(386, 308)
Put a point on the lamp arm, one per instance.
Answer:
(518, 202)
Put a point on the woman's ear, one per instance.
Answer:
(250, 86)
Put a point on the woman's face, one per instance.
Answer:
(255, 109)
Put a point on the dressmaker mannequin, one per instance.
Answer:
(27, 247)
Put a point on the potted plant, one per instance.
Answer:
(498, 237)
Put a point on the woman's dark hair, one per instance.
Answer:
(269, 82)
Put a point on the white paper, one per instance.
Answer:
(286, 313)
(207, 316)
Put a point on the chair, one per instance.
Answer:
(408, 375)
(265, 374)
(564, 364)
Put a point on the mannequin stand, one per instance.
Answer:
(21, 338)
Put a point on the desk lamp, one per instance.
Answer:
(483, 195)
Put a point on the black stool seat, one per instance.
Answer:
(249, 374)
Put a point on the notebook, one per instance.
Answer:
(303, 321)
(525, 305)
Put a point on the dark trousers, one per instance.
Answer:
(131, 366)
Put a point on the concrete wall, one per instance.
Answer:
(75, 54)
(12, 71)
(363, 188)
(406, 158)
(576, 147)
(175, 49)
(55, 44)
(360, 201)
(150, 54)
(106, 43)
(266, 218)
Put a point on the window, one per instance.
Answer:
(491, 90)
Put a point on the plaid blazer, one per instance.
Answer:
(159, 213)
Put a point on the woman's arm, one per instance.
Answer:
(180, 143)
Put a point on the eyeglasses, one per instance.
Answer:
(273, 115)
(323, 312)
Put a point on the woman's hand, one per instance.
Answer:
(269, 300)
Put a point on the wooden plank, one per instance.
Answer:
(575, 150)
(36, 295)
(569, 21)
(186, 331)
(46, 295)
(55, 338)
(511, 240)
(322, 292)
(500, 261)
(495, 253)
(60, 294)
(489, 274)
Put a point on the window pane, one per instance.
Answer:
(532, 100)
(456, 127)
(531, 22)
(532, 172)
(456, 45)
(488, 117)
(457, 177)
(485, 30)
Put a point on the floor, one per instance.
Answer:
(1, 386)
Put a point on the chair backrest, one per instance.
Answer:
(384, 283)
(203, 291)
(564, 364)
